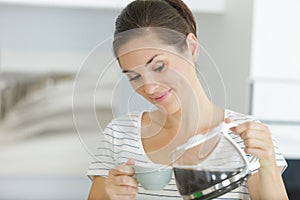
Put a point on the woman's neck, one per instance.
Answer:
(196, 115)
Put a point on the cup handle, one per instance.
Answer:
(134, 174)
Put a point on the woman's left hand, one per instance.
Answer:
(258, 141)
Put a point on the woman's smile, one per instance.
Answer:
(163, 96)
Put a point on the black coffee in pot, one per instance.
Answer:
(190, 181)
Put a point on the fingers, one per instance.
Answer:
(255, 134)
(130, 161)
(259, 152)
(124, 180)
(254, 130)
(123, 190)
(123, 169)
(257, 140)
(251, 125)
(123, 197)
(259, 144)
(120, 184)
(122, 176)
(121, 187)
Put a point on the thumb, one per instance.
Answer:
(130, 161)
(227, 120)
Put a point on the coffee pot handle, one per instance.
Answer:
(254, 162)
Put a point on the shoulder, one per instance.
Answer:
(129, 123)
(131, 120)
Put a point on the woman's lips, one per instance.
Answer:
(163, 96)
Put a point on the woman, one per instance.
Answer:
(156, 46)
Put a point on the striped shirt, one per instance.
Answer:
(122, 140)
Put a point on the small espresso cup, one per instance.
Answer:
(153, 177)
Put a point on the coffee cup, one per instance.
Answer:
(153, 177)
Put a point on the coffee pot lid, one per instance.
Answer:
(201, 138)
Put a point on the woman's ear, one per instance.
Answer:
(193, 46)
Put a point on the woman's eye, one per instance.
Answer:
(135, 78)
(159, 67)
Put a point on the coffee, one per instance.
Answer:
(190, 181)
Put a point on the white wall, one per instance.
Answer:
(228, 39)
(275, 69)
(53, 28)
(276, 39)
(59, 38)
(41, 39)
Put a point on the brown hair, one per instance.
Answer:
(167, 14)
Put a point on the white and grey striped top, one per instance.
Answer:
(123, 141)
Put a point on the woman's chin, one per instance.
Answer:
(168, 110)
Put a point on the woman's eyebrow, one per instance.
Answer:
(147, 63)
(126, 71)
(151, 59)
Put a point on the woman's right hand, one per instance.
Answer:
(120, 184)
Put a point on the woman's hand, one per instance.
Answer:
(120, 184)
(258, 142)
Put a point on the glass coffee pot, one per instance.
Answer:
(210, 165)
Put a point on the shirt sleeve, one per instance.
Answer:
(280, 160)
(103, 157)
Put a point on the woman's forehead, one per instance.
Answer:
(140, 57)
(139, 42)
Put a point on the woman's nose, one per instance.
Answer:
(150, 88)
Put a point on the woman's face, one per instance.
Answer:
(158, 72)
